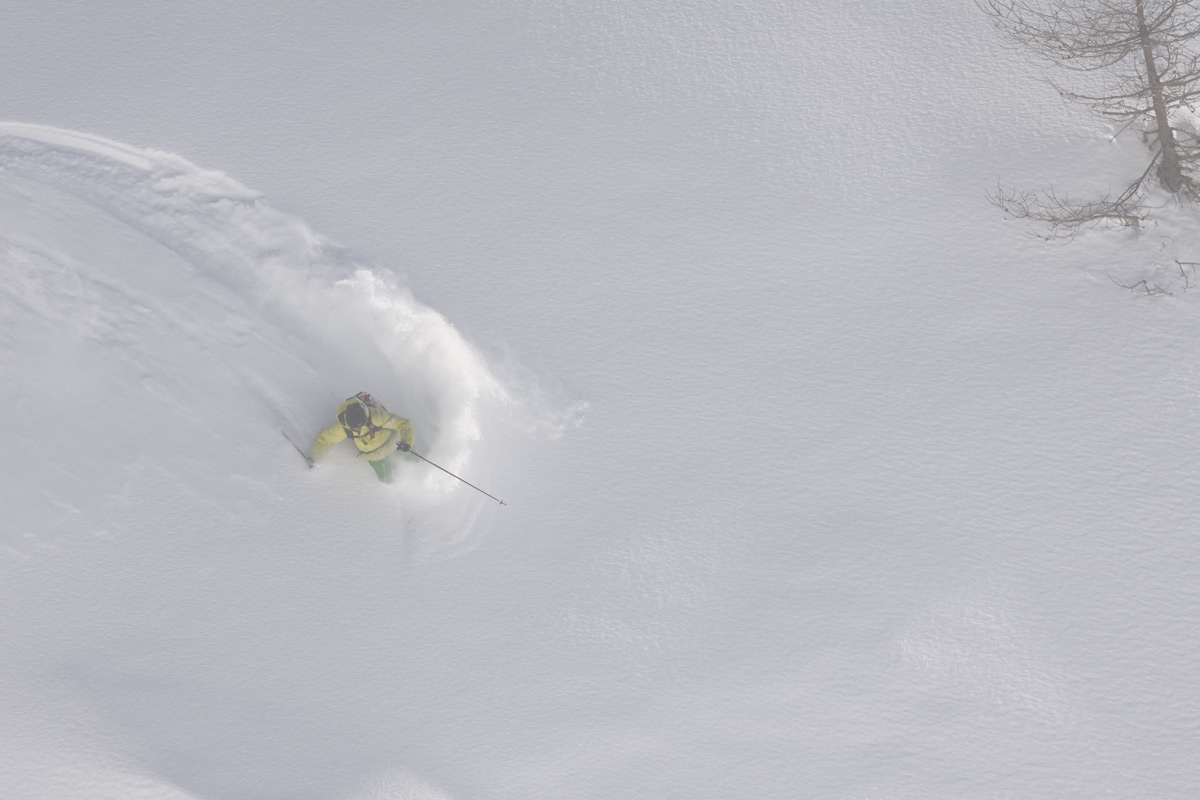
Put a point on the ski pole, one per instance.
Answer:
(452, 475)
(303, 454)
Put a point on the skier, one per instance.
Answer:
(373, 430)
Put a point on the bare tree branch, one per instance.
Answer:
(1064, 218)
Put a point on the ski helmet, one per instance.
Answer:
(355, 415)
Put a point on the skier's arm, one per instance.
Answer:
(326, 439)
(402, 427)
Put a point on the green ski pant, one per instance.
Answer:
(383, 468)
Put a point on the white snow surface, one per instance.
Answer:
(823, 480)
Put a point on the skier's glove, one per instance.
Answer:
(403, 447)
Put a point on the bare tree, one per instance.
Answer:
(1147, 57)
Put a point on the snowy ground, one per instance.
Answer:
(823, 480)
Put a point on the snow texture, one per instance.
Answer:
(823, 480)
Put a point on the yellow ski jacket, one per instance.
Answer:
(375, 441)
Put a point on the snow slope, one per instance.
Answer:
(824, 481)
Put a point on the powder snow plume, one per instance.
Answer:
(178, 319)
